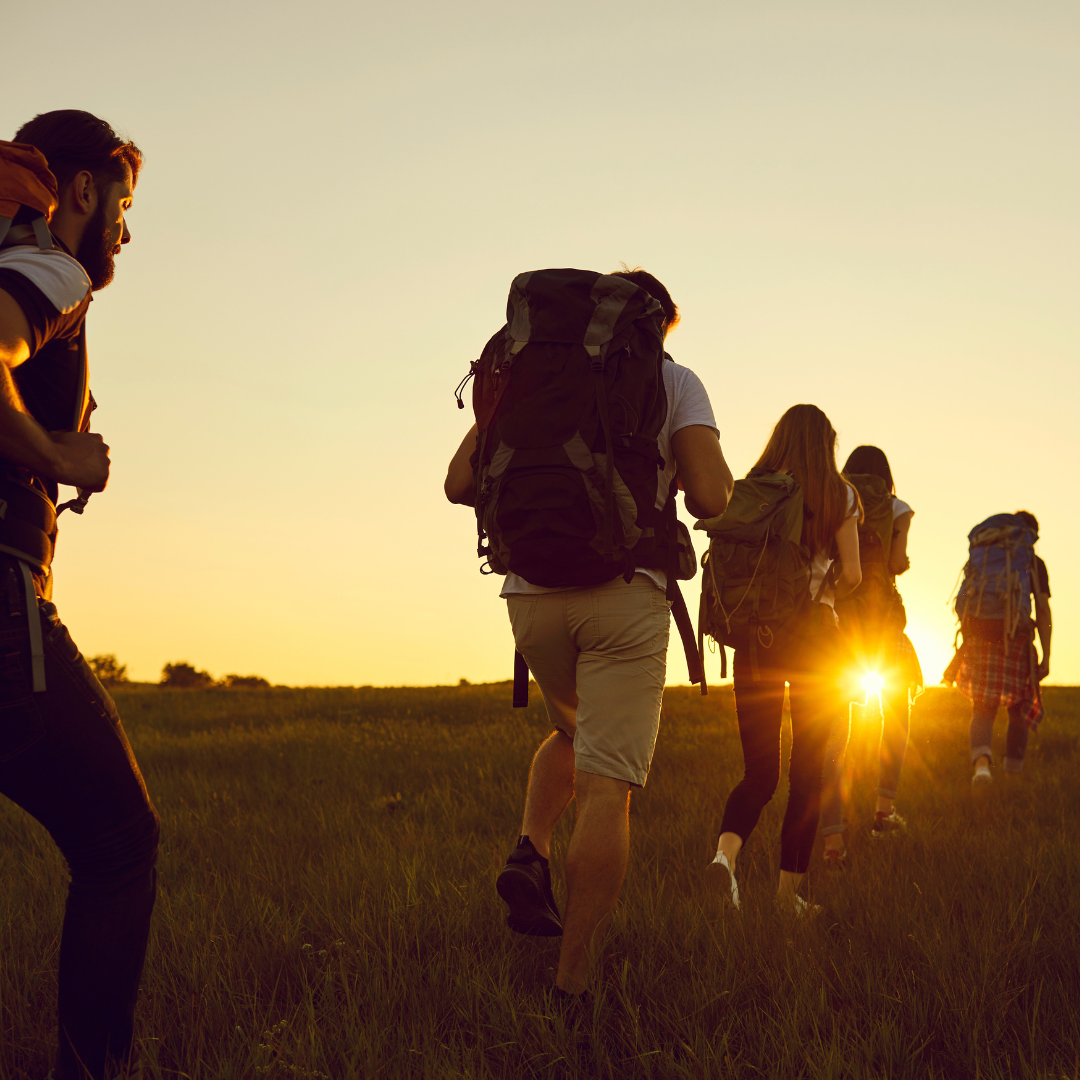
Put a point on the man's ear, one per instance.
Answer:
(84, 194)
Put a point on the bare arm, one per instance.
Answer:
(847, 542)
(459, 477)
(703, 473)
(898, 556)
(1043, 624)
(81, 460)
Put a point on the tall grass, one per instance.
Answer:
(326, 905)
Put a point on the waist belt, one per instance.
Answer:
(27, 524)
(28, 532)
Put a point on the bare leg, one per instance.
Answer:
(730, 845)
(884, 806)
(595, 867)
(551, 787)
(789, 886)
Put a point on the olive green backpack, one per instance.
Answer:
(756, 573)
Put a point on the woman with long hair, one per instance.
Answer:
(802, 445)
(893, 656)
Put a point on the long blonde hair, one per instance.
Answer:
(803, 444)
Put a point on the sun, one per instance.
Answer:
(872, 682)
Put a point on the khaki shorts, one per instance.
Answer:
(599, 656)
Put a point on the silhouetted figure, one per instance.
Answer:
(577, 406)
(802, 650)
(64, 756)
(997, 666)
(883, 660)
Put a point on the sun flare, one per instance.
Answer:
(872, 682)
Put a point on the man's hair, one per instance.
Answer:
(646, 281)
(73, 140)
(1029, 519)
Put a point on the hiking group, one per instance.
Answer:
(585, 431)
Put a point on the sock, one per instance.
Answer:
(529, 854)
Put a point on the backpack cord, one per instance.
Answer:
(982, 582)
(473, 367)
(720, 603)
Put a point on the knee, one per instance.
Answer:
(763, 777)
(119, 857)
(594, 788)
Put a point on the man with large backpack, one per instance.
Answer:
(583, 425)
(65, 186)
(997, 664)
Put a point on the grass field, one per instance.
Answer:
(326, 905)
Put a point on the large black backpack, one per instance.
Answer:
(569, 401)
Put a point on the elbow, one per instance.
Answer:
(461, 496)
(453, 491)
(715, 507)
(849, 582)
(708, 504)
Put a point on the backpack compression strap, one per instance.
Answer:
(521, 681)
(686, 631)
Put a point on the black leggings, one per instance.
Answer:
(65, 759)
(759, 706)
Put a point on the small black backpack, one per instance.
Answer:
(569, 401)
(872, 618)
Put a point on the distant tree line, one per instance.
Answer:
(178, 676)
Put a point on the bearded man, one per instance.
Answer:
(66, 184)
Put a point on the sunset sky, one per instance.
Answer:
(868, 207)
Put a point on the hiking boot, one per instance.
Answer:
(524, 884)
(887, 825)
(569, 1006)
(721, 879)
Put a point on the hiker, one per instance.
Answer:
(587, 594)
(66, 183)
(883, 660)
(770, 594)
(997, 664)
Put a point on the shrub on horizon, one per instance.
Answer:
(108, 669)
(244, 682)
(182, 676)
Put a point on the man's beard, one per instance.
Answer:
(96, 252)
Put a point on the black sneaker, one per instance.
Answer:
(524, 884)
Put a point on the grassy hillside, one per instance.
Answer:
(326, 904)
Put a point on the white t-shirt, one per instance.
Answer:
(900, 507)
(688, 405)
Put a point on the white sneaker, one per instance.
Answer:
(720, 872)
(982, 776)
(804, 909)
